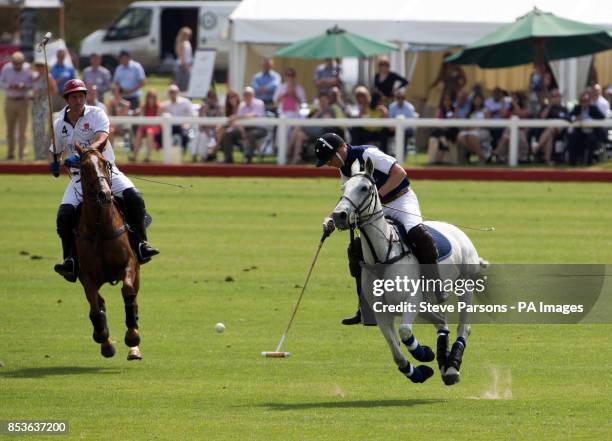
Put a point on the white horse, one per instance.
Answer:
(360, 207)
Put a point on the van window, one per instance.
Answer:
(133, 23)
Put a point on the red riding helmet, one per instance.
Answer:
(73, 86)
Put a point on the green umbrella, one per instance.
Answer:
(537, 36)
(336, 43)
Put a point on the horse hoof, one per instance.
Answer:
(451, 376)
(132, 338)
(134, 354)
(107, 349)
(421, 373)
(100, 337)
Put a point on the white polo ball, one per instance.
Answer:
(219, 327)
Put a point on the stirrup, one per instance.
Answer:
(145, 252)
(67, 270)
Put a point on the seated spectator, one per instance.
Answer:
(583, 140)
(495, 106)
(473, 139)
(289, 96)
(370, 106)
(130, 76)
(598, 100)
(178, 106)
(117, 106)
(386, 82)
(553, 110)
(326, 76)
(463, 104)
(250, 107)
(336, 102)
(61, 73)
(516, 106)
(402, 108)
(299, 135)
(152, 134)
(230, 110)
(92, 97)
(206, 136)
(441, 146)
(98, 75)
(266, 82)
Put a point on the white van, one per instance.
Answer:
(147, 30)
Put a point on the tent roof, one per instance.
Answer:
(433, 22)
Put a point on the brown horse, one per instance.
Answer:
(104, 252)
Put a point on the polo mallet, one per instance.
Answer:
(43, 45)
(278, 353)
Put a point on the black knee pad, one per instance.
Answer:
(66, 220)
(355, 257)
(422, 245)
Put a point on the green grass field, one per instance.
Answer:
(340, 382)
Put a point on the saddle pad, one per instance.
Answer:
(442, 243)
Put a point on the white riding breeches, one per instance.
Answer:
(74, 193)
(405, 210)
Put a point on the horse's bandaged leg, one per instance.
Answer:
(131, 313)
(420, 353)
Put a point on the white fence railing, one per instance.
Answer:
(399, 124)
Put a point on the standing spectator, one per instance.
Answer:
(289, 95)
(40, 109)
(326, 76)
(131, 78)
(583, 140)
(98, 75)
(250, 107)
(451, 76)
(232, 102)
(206, 137)
(178, 106)
(473, 138)
(266, 82)
(92, 97)
(117, 106)
(369, 106)
(184, 58)
(598, 100)
(387, 82)
(16, 80)
(61, 73)
(152, 134)
(554, 110)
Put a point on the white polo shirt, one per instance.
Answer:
(94, 120)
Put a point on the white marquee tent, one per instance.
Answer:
(415, 24)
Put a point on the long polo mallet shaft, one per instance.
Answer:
(43, 44)
(277, 353)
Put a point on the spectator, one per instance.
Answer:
(598, 100)
(517, 106)
(442, 141)
(404, 108)
(184, 58)
(178, 106)
(16, 80)
(494, 105)
(92, 97)
(250, 107)
(541, 82)
(583, 140)
(301, 134)
(327, 75)
(152, 134)
(40, 109)
(130, 76)
(98, 75)
(553, 110)
(266, 82)
(369, 106)
(61, 73)
(462, 105)
(205, 138)
(336, 102)
(232, 102)
(451, 76)
(387, 82)
(289, 96)
(473, 139)
(117, 106)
